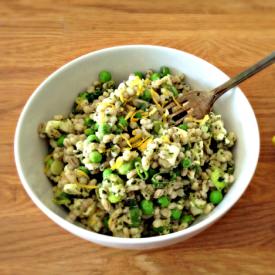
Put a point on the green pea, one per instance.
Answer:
(139, 74)
(104, 76)
(183, 126)
(138, 115)
(114, 198)
(89, 132)
(164, 201)
(60, 141)
(155, 76)
(175, 214)
(146, 95)
(107, 173)
(83, 169)
(95, 157)
(187, 219)
(215, 197)
(125, 168)
(122, 122)
(186, 163)
(56, 167)
(92, 138)
(147, 207)
(164, 71)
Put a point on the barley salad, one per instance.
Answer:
(121, 167)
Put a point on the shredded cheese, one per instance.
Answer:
(80, 173)
(144, 114)
(121, 96)
(203, 120)
(177, 103)
(147, 81)
(135, 132)
(117, 164)
(129, 114)
(206, 118)
(127, 140)
(87, 186)
(137, 144)
(135, 138)
(144, 145)
(155, 98)
(137, 84)
(165, 115)
(165, 139)
(153, 111)
(107, 104)
(133, 118)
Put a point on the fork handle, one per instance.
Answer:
(234, 81)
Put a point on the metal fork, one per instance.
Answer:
(199, 103)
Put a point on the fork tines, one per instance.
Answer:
(178, 109)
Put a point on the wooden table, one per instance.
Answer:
(37, 37)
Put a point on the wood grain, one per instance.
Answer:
(36, 37)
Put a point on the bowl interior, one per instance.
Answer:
(57, 93)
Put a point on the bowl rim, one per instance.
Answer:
(104, 239)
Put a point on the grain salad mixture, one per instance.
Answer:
(121, 167)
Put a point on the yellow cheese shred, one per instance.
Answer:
(135, 132)
(153, 111)
(133, 118)
(135, 138)
(165, 115)
(130, 113)
(80, 173)
(127, 140)
(144, 145)
(87, 186)
(117, 164)
(138, 143)
(121, 96)
(165, 139)
(155, 98)
(203, 120)
(144, 114)
(177, 103)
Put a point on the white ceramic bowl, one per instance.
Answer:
(56, 95)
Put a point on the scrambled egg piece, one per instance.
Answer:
(168, 155)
